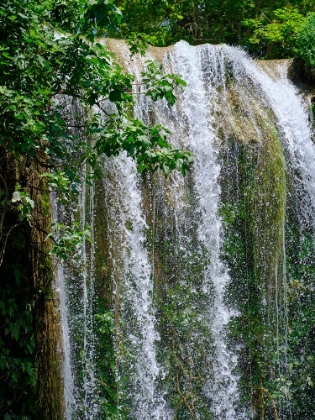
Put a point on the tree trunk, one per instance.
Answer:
(50, 403)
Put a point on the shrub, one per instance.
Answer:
(306, 41)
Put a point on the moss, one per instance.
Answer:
(186, 345)
(253, 182)
(105, 318)
(268, 201)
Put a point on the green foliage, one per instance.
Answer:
(107, 363)
(165, 86)
(68, 240)
(148, 146)
(17, 344)
(49, 61)
(279, 36)
(264, 28)
(306, 41)
(38, 65)
(24, 203)
(42, 65)
(301, 312)
(59, 181)
(138, 42)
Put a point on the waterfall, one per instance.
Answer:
(137, 367)
(187, 305)
(61, 289)
(77, 295)
(89, 404)
(203, 68)
(293, 120)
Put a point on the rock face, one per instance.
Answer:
(301, 72)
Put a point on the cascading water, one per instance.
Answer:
(76, 284)
(90, 384)
(199, 275)
(203, 69)
(137, 367)
(63, 307)
(293, 120)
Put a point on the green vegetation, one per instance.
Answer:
(276, 36)
(305, 41)
(49, 58)
(270, 253)
(182, 301)
(253, 221)
(264, 28)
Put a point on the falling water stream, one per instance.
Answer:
(132, 275)
(204, 68)
(173, 271)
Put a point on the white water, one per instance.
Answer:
(293, 121)
(63, 308)
(89, 404)
(137, 369)
(76, 293)
(193, 123)
(294, 125)
(203, 70)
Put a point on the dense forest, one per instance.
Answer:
(51, 48)
(264, 29)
